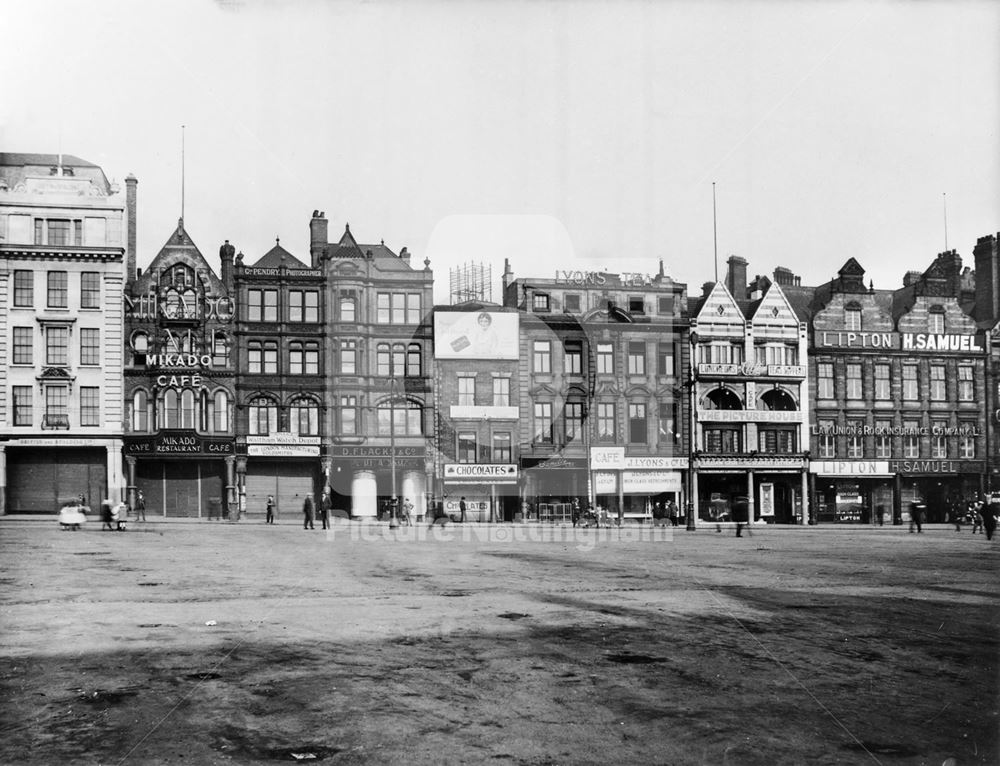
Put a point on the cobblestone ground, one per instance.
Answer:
(214, 643)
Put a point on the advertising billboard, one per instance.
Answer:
(475, 335)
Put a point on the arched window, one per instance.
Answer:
(413, 361)
(140, 412)
(170, 412)
(398, 359)
(305, 417)
(220, 414)
(723, 399)
(776, 399)
(263, 416)
(188, 418)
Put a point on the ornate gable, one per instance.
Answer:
(720, 315)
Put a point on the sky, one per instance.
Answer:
(557, 135)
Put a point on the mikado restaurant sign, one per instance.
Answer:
(906, 341)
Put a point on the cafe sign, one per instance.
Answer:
(178, 444)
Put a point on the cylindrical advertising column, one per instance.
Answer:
(413, 490)
(364, 492)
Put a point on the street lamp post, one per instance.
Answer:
(393, 497)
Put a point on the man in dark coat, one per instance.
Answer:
(325, 504)
(990, 512)
(308, 509)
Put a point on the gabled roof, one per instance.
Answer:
(719, 297)
(179, 248)
(347, 247)
(773, 305)
(277, 257)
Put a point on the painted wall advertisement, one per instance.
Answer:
(475, 335)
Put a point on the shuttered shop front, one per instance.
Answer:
(288, 480)
(38, 480)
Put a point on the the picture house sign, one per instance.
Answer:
(901, 341)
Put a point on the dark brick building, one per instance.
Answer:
(603, 367)
(281, 384)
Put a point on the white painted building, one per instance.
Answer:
(64, 229)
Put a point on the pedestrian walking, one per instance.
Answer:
(977, 517)
(325, 505)
(106, 518)
(309, 511)
(407, 512)
(672, 512)
(880, 514)
(956, 517)
(140, 506)
(462, 507)
(915, 517)
(990, 519)
(269, 519)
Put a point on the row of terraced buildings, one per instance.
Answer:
(333, 372)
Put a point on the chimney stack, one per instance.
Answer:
(318, 236)
(987, 278)
(226, 254)
(404, 255)
(131, 187)
(508, 274)
(706, 289)
(736, 277)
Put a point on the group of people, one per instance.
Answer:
(983, 516)
(326, 508)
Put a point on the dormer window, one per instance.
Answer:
(935, 319)
(636, 305)
(540, 302)
(852, 318)
(571, 303)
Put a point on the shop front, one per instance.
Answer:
(762, 488)
(37, 475)
(636, 484)
(182, 474)
(284, 466)
(853, 491)
(942, 487)
(362, 476)
(489, 490)
(550, 486)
